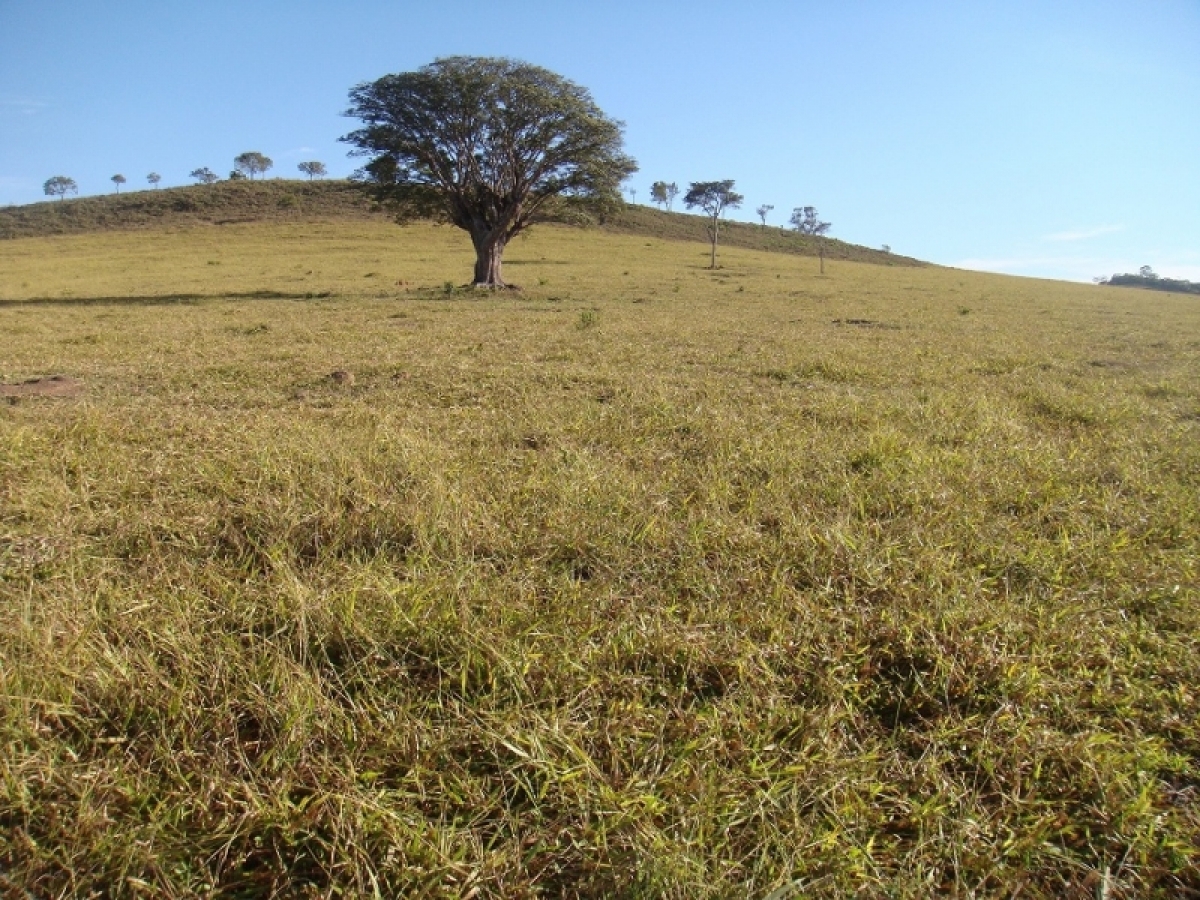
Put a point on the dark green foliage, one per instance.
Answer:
(484, 143)
(1147, 279)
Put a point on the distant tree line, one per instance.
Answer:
(804, 218)
(245, 165)
(1147, 278)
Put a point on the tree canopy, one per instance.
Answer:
(204, 175)
(484, 143)
(663, 193)
(59, 186)
(312, 169)
(804, 220)
(252, 163)
(713, 197)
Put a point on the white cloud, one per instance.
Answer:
(1084, 234)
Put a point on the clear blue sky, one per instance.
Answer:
(1058, 138)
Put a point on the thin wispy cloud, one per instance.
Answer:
(1084, 234)
(21, 106)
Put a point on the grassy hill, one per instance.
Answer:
(646, 581)
(232, 202)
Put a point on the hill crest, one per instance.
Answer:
(282, 200)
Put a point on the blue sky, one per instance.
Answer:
(1055, 138)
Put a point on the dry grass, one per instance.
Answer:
(644, 582)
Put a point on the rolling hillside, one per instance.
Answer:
(322, 576)
(239, 202)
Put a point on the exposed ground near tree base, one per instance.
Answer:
(646, 581)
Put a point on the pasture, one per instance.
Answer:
(644, 581)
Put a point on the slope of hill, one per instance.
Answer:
(649, 581)
(217, 204)
(280, 200)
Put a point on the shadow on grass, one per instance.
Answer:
(165, 299)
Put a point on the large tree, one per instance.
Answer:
(59, 186)
(484, 143)
(713, 197)
(252, 163)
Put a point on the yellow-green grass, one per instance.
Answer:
(645, 581)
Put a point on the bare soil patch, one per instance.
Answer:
(53, 386)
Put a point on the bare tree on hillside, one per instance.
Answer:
(762, 213)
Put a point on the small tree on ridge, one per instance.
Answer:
(762, 213)
(59, 186)
(204, 176)
(154, 178)
(118, 180)
(252, 163)
(663, 193)
(804, 220)
(714, 197)
(312, 169)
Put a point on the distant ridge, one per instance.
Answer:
(280, 200)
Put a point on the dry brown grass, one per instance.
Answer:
(646, 581)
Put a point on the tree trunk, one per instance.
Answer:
(714, 234)
(489, 253)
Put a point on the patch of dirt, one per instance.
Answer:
(54, 386)
(866, 323)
